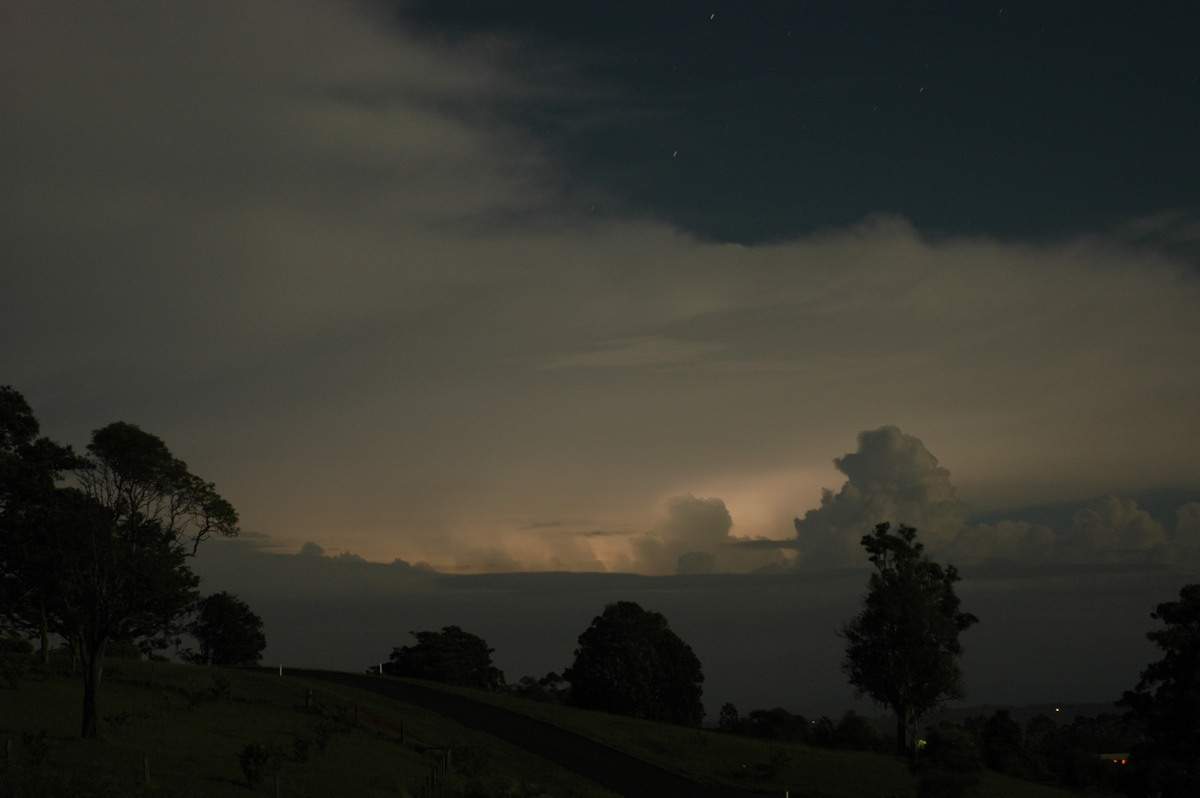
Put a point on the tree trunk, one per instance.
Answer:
(45, 637)
(93, 664)
(906, 734)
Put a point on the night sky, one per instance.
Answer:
(493, 288)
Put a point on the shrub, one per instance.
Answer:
(323, 733)
(15, 655)
(301, 747)
(949, 764)
(727, 721)
(221, 687)
(37, 746)
(855, 732)
(256, 759)
(775, 724)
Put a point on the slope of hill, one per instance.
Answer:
(178, 730)
(748, 764)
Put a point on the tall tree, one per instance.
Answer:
(451, 656)
(30, 467)
(903, 650)
(227, 631)
(629, 662)
(127, 580)
(139, 514)
(105, 559)
(1166, 703)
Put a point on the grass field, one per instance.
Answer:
(189, 723)
(186, 725)
(748, 764)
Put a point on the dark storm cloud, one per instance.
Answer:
(769, 120)
(1175, 232)
(308, 247)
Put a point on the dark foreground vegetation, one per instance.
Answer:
(101, 562)
(101, 559)
(184, 730)
(191, 731)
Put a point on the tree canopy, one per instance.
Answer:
(451, 656)
(1166, 703)
(30, 467)
(903, 650)
(105, 559)
(135, 476)
(227, 631)
(629, 662)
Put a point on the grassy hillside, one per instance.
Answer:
(748, 764)
(190, 723)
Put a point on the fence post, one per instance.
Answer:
(146, 769)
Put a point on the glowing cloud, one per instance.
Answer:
(892, 477)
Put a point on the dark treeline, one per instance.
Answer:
(629, 662)
(95, 550)
(902, 651)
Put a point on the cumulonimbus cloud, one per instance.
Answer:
(695, 537)
(893, 477)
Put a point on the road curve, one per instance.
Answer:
(612, 769)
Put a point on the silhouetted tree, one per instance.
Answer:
(855, 733)
(821, 732)
(549, 688)
(1038, 730)
(106, 560)
(14, 659)
(727, 721)
(1006, 748)
(949, 766)
(776, 724)
(227, 631)
(30, 467)
(902, 649)
(629, 662)
(1000, 739)
(1166, 703)
(126, 536)
(451, 656)
(1068, 752)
